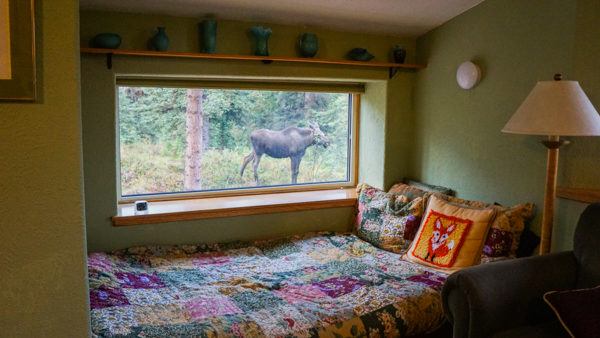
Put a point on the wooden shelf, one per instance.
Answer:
(231, 206)
(578, 194)
(392, 67)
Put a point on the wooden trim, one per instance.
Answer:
(579, 194)
(353, 180)
(237, 192)
(232, 206)
(355, 136)
(148, 53)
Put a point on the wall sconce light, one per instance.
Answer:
(468, 75)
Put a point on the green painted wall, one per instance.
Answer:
(380, 149)
(457, 132)
(43, 288)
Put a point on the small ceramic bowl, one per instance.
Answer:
(107, 40)
(360, 54)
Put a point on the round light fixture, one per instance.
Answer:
(468, 75)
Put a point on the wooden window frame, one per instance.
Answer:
(195, 195)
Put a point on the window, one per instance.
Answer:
(177, 140)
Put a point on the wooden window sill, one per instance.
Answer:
(579, 194)
(230, 206)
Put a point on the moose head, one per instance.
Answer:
(319, 137)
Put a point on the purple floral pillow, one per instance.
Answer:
(387, 220)
(503, 238)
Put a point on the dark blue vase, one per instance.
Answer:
(399, 54)
(309, 45)
(209, 35)
(160, 41)
(261, 38)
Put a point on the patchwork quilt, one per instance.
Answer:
(312, 285)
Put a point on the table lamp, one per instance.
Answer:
(554, 109)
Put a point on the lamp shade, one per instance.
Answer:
(555, 108)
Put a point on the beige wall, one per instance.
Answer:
(43, 289)
(381, 147)
(458, 138)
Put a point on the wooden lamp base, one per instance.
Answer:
(553, 144)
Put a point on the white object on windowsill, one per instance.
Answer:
(468, 75)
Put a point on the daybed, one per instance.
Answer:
(314, 285)
(385, 281)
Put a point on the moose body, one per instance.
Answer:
(290, 142)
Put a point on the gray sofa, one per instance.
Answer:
(504, 299)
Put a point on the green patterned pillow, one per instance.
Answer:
(387, 220)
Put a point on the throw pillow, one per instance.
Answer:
(451, 236)
(388, 221)
(577, 311)
(430, 187)
(503, 239)
(505, 234)
(416, 189)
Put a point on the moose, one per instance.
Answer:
(290, 142)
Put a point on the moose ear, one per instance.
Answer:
(312, 124)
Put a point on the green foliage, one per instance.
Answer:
(152, 136)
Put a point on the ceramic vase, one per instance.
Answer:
(261, 38)
(160, 41)
(399, 54)
(208, 32)
(309, 45)
(360, 54)
(107, 40)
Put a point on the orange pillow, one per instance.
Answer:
(451, 236)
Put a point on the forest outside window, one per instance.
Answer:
(189, 141)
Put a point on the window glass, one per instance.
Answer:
(175, 140)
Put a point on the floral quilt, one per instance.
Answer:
(312, 285)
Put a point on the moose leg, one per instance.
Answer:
(295, 164)
(247, 160)
(255, 167)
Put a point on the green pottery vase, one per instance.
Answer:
(309, 45)
(261, 38)
(208, 29)
(160, 41)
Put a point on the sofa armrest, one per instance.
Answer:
(488, 298)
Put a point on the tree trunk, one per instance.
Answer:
(193, 151)
(309, 102)
(205, 132)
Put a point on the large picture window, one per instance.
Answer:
(182, 141)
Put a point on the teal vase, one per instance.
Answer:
(261, 38)
(209, 35)
(309, 45)
(160, 41)
(107, 40)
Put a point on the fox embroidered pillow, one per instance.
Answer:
(451, 236)
(388, 221)
(503, 238)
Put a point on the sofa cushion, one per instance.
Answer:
(386, 220)
(586, 244)
(451, 236)
(577, 310)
